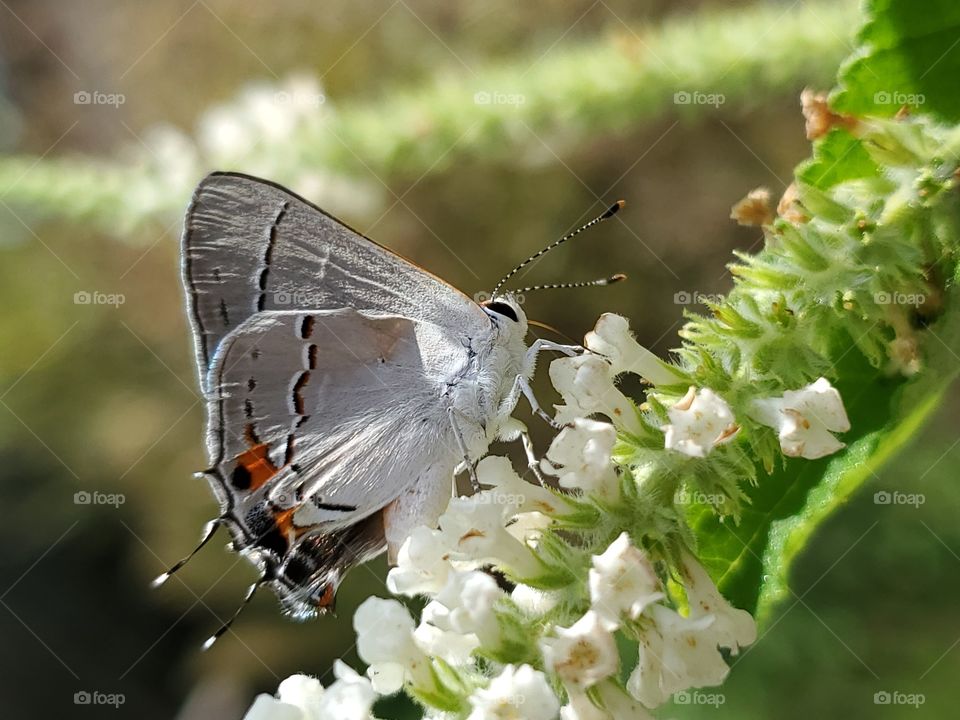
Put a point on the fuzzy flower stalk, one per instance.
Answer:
(584, 597)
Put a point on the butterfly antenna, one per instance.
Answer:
(609, 213)
(251, 591)
(208, 532)
(590, 283)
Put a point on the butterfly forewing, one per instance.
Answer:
(251, 246)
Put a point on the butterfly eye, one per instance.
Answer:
(502, 308)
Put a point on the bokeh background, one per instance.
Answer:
(102, 398)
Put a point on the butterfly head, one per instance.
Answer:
(505, 312)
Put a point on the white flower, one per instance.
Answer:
(298, 698)
(586, 384)
(422, 564)
(698, 422)
(304, 692)
(622, 582)
(461, 617)
(619, 704)
(580, 457)
(223, 134)
(580, 707)
(676, 653)
(517, 693)
(583, 654)
(350, 697)
(451, 646)
(497, 472)
(732, 627)
(528, 528)
(474, 529)
(301, 697)
(385, 642)
(611, 338)
(614, 704)
(804, 419)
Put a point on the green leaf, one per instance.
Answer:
(909, 56)
(837, 157)
(751, 561)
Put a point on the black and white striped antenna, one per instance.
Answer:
(559, 286)
(609, 213)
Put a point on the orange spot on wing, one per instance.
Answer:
(326, 600)
(284, 520)
(257, 462)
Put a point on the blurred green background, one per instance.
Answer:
(102, 398)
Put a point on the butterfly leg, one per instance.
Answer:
(540, 345)
(513, 430)
(461, 443)
(522, 385)
(532, 461)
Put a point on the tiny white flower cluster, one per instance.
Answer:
(804, 419)
(517, 611)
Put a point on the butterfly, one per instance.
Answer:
(345, 387)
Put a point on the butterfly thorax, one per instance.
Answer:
(497, 359)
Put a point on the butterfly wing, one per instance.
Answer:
(317, 421)
(251, 246)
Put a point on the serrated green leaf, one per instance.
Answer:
(909, 56)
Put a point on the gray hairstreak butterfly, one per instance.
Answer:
(345, 387)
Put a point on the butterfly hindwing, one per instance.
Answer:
(317, 421)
